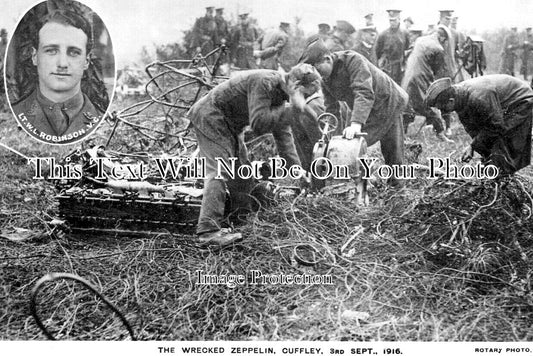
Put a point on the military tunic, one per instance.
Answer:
(242, 44)
(254, 98)
(508, 55)
(390, 52)
(272, 44)
(496, 111)
(42, 118)
(205, 34)
(425, 64)
(222, 31)
(366, 50)
(527, 47)
(375, 99)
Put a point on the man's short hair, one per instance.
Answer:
(70, 18)
(307, 75)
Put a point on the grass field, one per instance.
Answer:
(441, 260)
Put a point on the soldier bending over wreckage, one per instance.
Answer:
(258, 98)
(496, 111)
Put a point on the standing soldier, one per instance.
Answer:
(340, 38)
(408, 23)
(3, 45)
(222, 36)
(527, 47)
(430, 29)
(391, 46)
(510, 45)
(242, 41)
(271, 46)
(365, 45)
(369, 19)
(205, 32)
(460, 39)
(451, 46)
(414, 34)
(323, 31)
(426, 64)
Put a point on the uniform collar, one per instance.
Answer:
(70, 107)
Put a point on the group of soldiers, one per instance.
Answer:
(374, 83)
(512, 47)
(248, 47)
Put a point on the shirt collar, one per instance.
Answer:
(71, 107)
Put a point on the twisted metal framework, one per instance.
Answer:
(173, 85)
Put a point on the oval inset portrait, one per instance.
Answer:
(60, 72)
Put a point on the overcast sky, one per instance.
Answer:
(134, 23)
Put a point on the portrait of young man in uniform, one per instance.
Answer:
(57, 111)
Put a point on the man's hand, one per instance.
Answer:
(297, 100)
(352, 130)
(468, 153)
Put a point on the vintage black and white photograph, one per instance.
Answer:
(60, 72)
(340, 171)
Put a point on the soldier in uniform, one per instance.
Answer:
(3, 46)
(272, 45)
(242, 43)
(222, 33)
(459, 39)
(426, 64)
(414, 34)
(205, 32)
(445, 19)
(365, 46)
(340, 39)
(391, 45)
(222, 38)
(375, 100)
(508, 55)
(57, 111)
(496, 111)
(257, 98)
(369, 19)
(408, 23)
(527, 47)
(323, 31)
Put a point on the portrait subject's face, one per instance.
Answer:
(61, 60)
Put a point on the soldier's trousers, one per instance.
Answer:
(212, 212)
